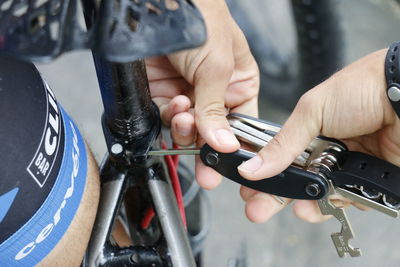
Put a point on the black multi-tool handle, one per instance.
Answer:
(292, 183)
(356, 168)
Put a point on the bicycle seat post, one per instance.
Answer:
(130, 118)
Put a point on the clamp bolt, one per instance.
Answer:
(116, 148)
(135, 258)
(212, 159)
(313, 190)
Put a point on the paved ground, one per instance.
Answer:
(284, 241)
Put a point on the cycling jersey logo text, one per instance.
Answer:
(46, 231)
(45, 156)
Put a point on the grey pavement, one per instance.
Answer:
(284, 240)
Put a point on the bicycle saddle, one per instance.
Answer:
(118, 30)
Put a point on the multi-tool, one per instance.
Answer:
(325, 169)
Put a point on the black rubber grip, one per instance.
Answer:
(293, 183)
(361, 169)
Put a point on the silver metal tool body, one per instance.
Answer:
(340, 239)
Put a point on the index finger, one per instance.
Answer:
(211, 82)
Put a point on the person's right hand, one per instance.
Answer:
(352, 106)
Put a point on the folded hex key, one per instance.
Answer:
(324, 169)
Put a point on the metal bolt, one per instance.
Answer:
(394, 94)
(212, 159)
(313, 190)
(135, 258)
(116, 149)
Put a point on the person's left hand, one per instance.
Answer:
(196, 88)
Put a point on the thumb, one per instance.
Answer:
(302, 126)
(211, 82)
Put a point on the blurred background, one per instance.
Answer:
(355, 28)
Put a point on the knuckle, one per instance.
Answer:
(184, 142)
(225, 66)
(311, 107)
(213, 61)
(251, 89)
(214, 109)
(277, 142)
(306, 101)
(309, 103)
(280, 145)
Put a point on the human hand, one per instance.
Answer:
(195, 88)
(352, 106)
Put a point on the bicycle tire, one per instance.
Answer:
(315, 51)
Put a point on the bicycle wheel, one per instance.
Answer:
(296, 43)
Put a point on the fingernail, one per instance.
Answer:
(183, 130)
(226, 138)
(252, 165)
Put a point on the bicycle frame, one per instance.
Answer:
(131, 125)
